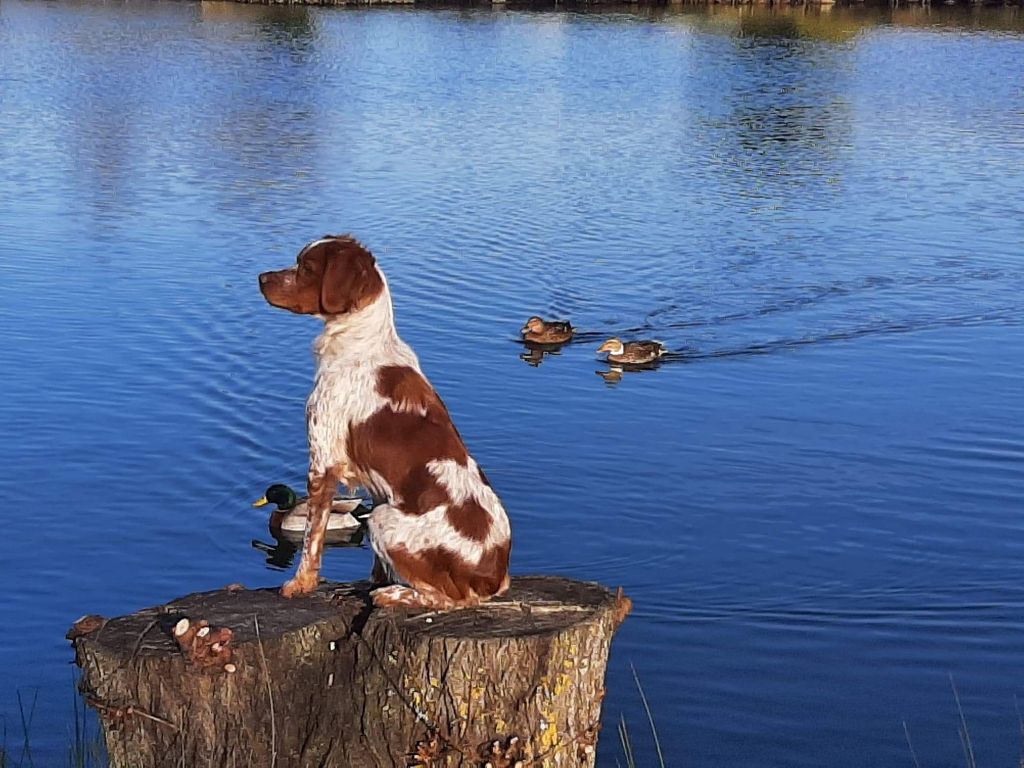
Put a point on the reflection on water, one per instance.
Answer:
(779, 23)
(813, 500)
(283, 553)
(534, 354)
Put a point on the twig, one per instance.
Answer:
(148, 716)
(650, 717)
(270, 694)
(913, 754)
(138, 641)
(131, 709)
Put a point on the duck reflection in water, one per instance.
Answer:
(616, 371)
(281, 553)
(535, 353)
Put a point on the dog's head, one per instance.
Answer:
(334, 275)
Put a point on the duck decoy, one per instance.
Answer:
(292, 509)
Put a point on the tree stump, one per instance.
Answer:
(329, 680)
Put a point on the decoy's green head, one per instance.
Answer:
(279, 494)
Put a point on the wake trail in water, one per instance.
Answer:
(816, 296)
(1007, 316)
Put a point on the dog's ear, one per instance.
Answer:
(350, 279)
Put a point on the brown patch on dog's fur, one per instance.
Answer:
(398, 445)
(407, 389)
(470, 519)
(334, 277)
(440, 573)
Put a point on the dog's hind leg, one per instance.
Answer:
(401, 596)
(417, 580)
(321, 494)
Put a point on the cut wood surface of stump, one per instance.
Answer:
(246, 678)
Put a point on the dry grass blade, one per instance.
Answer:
(965, 735)
(627, 747)
(913, 754)
(26, 726)
(650, 717)
(270, 694)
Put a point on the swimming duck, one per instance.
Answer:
(541, 331)
(291, 511)
(632, 352)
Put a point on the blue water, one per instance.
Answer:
(817, 504)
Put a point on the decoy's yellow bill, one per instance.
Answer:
(260, 501)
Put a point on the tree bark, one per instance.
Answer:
(330, 681)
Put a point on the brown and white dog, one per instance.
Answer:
(438, 528)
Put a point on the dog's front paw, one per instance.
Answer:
(300, 586)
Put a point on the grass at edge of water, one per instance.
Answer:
(624, 738)
(85, 747)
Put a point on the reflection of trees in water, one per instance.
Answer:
(166, 122)
(809, 22)
(103, 144)
(263, 127)
(784, 116)
(833, 23)
(288, 26)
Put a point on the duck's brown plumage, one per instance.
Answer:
(541, 331)
(633, 352)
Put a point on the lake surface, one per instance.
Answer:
(817, 504)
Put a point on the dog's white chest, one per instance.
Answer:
(342, 396)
